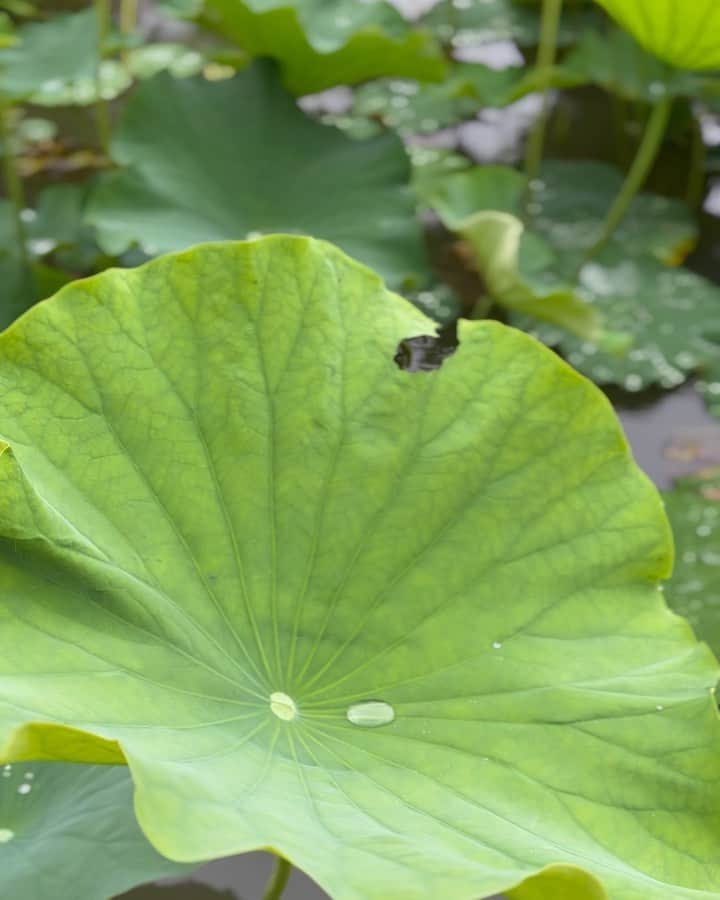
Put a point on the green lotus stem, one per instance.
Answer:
(13, 182)
(128, 16)
(102, 109)
(639, 170)
(696, 175)
(279, 879)
(551, 12)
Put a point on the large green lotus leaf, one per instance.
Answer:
(685, 33)
(404, 628)
(614, 61)
(322, 43)
(694, 591)
(467, 23)
(671, 315)
(409, 107)
(281, 173)
(72, 828)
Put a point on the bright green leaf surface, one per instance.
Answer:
(320, 44)
(220, 489)
(70, 830)
(559, 883)
(694, 591)
(282, 173)
(685, 33)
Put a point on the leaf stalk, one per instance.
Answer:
(644, 160)
(547, 50)
(278, 879)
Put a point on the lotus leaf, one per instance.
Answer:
(672, 316)
(71, 828)
(403, 628)
(287, 173)
(409, 107)
(320, 44)
(694, 591)
(469, 23)
(569, 205)
(617, 63)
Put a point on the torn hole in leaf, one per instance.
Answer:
(426, 352)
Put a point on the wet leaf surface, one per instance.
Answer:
(72, 827)
(694, 590)
(273, 626)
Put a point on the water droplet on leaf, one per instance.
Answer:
(283, 706)
(24, 789)
(6, 835)
(371, 713)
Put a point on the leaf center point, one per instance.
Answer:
(283, 706)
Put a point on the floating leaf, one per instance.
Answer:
(285, 173)
(69, 825)
(672, 316)
(320, 45)
(681, 32)
(222, 500)
(569, 205)
(40, 68)
(413, 108)
(614, 61)
(467, 23)
(694, 591)
(572, 201)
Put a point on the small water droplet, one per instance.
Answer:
(497, 645)
(6, 835)
(24, 789)
(29, 776)
(283, 706)
(659, 707)
(253, 235)
(633, 383)
(703, 530)
(371, 713)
